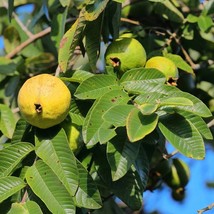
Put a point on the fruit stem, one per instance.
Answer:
(38, 108)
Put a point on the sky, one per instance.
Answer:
(198, 195)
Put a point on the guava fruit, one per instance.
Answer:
(165, 65)
(124, 54)
(44, 101)
(74, 136)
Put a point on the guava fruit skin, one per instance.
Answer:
(44, 101)
(124, 54)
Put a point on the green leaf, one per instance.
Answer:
(40, 62)
(96, 86)
(9, 186)
(7, 122)
(94, 120)
(129, 189)
(139, 125)
(12, 155)
(70, 41)
(95, 9)
(198, 123)
(136, 80)
(205, 23)
(175, 101)
(7, 66)
(65, 3)
(46, 185)
(87, 194)
(92, 41)
(56, 153)
(117, 115)
(58, 26)
(148, 108)
(168, 11)
(10, 9)
(29, 207)
(11, 38)
(121, 155)
(192, 18)
(180, 63)
(183, 135)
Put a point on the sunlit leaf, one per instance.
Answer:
(182, 135)
(10, 185)
(139, 125)
(12, 155)
(96, 86)
(56, 153)
(94, 120)
(29, 207)
(46, 185)
(7, 121)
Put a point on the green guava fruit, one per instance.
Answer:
(124, 54)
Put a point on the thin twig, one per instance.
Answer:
(211, 206)
(25, 197)
(28, 42)
(130, 21)
(211, 123)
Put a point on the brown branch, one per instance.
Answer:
(28, 42)
(211, 206)
(130, 21)
(211, 123)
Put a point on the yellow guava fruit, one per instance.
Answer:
(44, 101)
(165, 65)
(124, 54)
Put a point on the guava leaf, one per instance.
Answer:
(167, 10)
(148, 108)
(7, 121)
(46, 185)
(56, 153)
(179, 62)
(139, 125)
(87, 194)
(198, 107)
(7, 66)
(175, 101)
(29, 207)
(94, 120)
(129, 189)
(198, 122)
(9, 186)
(96, 86)
(95, 9)
(69, 42)
(12, 155)
(137, 80)
(183, 135)
(117, 115)
(121, 155)
(78, 76)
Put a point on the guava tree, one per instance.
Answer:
(113, 142)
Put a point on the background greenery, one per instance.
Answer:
(39, 172)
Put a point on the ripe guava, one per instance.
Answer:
(44, 101)
(124, 54)
(165, 65)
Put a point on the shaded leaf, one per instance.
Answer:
(7, 66)
(94, 120)
(87, 194)
(46, 185)
(95, 86)
(10, 9)
(11, 38)
(139, 125)
(121, 155)
(7, 122)
(56, 153)
(205, 23)
(12, 155)
(182, 135)
(9, 186)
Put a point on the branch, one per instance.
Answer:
(206, 208)
(31, 39)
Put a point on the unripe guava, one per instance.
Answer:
(165, 65)
(44, 101)
(124, 54)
